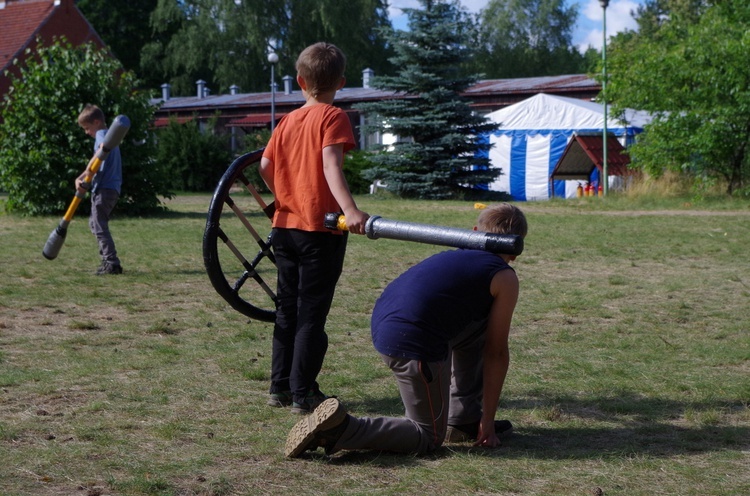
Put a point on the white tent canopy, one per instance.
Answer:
(533, 135)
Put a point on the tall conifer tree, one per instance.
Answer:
(438, 153)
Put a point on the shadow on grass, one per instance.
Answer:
(651, 439)
(640, 427)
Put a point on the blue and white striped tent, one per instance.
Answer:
(533, 135)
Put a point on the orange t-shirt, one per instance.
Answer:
(302, 194)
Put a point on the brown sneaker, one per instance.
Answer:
(317, 426)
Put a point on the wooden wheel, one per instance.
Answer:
(231, 239)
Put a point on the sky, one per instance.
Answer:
(588, 30)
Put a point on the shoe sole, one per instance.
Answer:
(326, 416)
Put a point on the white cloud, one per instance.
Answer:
(587, 32)
(590, 21)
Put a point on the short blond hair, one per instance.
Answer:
(503, 218)
(90, 114)
(322, 66)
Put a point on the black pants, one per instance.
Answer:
(309, 265)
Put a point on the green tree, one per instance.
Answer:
(524, 38)
(358, 27)
(42, 148)
(226, 42)
(438, 154)
(691, 72)
(653, 14)
(124, 27)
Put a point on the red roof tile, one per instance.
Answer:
(23, 21)
(20, 20)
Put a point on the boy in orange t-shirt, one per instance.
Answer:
(302, 166)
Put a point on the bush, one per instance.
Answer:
(196, 159)
(42, 149)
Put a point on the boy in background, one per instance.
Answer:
(442, 327)
(302, 166)
(105, 189)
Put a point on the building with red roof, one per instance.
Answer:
(23, 22)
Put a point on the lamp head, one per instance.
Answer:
(604, 3)
(273, 58)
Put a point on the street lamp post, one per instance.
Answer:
(604, 178)
(273, 59)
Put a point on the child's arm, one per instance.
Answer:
(266, 172)
(333, 159)
(496, 356)
(97, 145)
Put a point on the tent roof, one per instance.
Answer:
(584, 152)
(547, 112)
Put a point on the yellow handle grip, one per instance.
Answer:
(335, 220)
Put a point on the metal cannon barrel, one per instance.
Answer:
(378, 227)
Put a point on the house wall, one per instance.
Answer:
(485, 96)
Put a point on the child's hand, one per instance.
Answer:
(79, 185)
(486, 435)
(356, 220)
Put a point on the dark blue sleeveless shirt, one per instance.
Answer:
(429, 304)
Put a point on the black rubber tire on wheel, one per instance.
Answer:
(264, 307)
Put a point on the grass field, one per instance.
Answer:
(630, 361)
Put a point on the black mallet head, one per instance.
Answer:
(54, 243)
